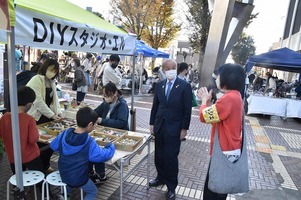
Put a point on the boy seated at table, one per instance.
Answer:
(77, 148)
(29, 134)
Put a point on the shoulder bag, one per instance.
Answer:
(226, 177)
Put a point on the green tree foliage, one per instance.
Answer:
(243, 49)
(133, 14)
(150, 20)
(162, 29)
(199, 19)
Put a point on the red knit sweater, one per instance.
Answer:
(29, 136)
(229, 109)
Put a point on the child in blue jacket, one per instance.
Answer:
(77, 148)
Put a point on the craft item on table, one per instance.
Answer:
(43, 135)
(68, 122)
(112, 132)
(127, 142)
(103, 138)
(59, 126)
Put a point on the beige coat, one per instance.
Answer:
(39, 107)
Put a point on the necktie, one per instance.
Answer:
(168, 89)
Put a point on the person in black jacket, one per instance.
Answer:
(24, 77)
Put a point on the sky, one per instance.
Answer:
(266, 29)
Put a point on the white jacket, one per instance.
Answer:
(39, 107)
(111, 75)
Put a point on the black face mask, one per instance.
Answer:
(114, 65)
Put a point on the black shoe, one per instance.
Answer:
(97, 180)
(170, 195)
(156, 182)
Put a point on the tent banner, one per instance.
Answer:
(43, 31)
(4, 15)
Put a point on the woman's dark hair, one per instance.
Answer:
(84, 116)
(35, 66)
(232, 77)
(110, 89)
(46, 64)
(182, 66)
(25, 95)
(77, 62)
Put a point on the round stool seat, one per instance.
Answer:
(55, 179)
(30, 177)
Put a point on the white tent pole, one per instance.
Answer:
(141, 72)
(14, 109)
(133, 93)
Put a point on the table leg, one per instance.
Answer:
(148, 163)
(121, 178)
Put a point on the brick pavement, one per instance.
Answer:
(274, 161)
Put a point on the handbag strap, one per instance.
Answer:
(242, 130)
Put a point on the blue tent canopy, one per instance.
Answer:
(147, 51)
(283, 59)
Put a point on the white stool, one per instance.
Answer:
(55, 179)
(30, 178)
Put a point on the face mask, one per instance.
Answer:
(217, 82)
(72, 64)
(171, 74)
(114, 65)
(50, 74)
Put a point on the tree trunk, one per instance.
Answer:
(201, 59)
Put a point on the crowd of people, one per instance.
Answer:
(273, 86)
(82, 161)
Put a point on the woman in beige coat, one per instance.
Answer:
(46, 106)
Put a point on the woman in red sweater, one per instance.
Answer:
(225, 115)
(29, 133)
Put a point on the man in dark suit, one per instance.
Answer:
(169, 122)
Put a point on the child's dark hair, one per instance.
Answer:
(84, 116)
(46, 64)
(232, 77)
(25, 95)
(110, 89)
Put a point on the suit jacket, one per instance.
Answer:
(176, 111)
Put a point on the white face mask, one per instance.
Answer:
(171, 74)
(217, 82)
(72, 64)
(50, 74)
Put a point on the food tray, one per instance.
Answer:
(124, 143)
(103, 139)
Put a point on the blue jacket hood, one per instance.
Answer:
(73, 142)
